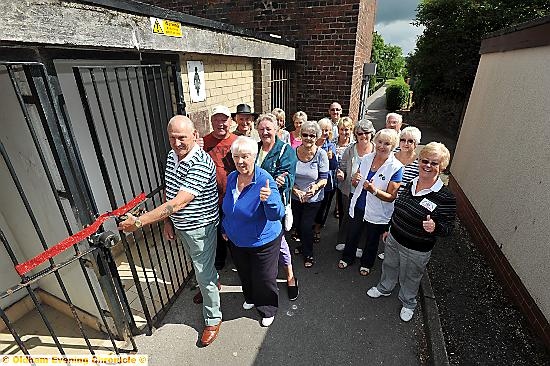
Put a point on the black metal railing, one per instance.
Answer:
(280, 87)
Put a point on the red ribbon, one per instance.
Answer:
(65, 244)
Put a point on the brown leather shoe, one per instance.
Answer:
(210, 333)
(197, 299)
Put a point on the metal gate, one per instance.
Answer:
(280, 87)
(126, 110)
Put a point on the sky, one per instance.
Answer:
(393, 23)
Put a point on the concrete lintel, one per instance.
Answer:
(70, 24)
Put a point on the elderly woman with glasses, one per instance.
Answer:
(252, 213)
(376, 184)
(408, 141)
(279, 160)
(348, 165)
(425, 210)
(308, 191)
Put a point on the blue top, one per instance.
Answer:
(332, 164)
(362, 199)
(310, 172)
(249, 222)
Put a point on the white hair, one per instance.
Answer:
(244, 145)
(413, 132)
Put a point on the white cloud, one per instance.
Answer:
(401, 33)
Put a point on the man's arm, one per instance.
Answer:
(162, 212)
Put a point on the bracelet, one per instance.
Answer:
(375, 193)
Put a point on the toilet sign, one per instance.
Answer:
(166, 27)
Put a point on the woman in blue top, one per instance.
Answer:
(252, 213)
(376, 183)
(325, 143)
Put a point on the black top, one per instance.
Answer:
(406, 222)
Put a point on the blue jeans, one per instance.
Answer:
(201, 245)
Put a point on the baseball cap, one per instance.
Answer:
(221, 109)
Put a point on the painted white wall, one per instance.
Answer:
(16, 221)
(502, 160)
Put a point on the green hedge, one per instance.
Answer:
(397, 93)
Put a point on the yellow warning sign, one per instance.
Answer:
(166, 27)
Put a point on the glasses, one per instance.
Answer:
(410, 141)
(307, 135)
(428, 162)
(335, 110)
(362, 133)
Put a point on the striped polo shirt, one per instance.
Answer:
(195, 174)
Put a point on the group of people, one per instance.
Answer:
(238, 187)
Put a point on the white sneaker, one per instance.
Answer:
(266, 322)
(381, 256)
(406, 314)
(340, 247)
(247, 306)
(359, 253)
(374, 293)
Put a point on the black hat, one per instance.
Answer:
(244, 109)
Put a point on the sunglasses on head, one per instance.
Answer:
(428, 162)
(410, 141)
(307, 135)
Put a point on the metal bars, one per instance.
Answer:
(127, 109)
(280, 86)
(21, 143)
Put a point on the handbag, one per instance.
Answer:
(288, 215)
(289, 219)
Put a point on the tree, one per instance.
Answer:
(388, 58)
(445, 61)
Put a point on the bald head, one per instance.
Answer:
(179, 122)
(182, 135)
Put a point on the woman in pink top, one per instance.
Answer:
(295, 136)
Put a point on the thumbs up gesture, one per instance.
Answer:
(265, 192)
(429, 224)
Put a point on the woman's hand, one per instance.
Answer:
(299, 193)
(168, 230)
(340, 175)
(265, 192)
(369, 186)
(224, 236)
(329, 154)
(429, 224)
(356, 178)
(311, 192)
(280, 180)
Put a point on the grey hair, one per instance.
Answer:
(364, 125)
(311, 126)
(396, 115)
(267, 117)
(413, 132)
(244, 145)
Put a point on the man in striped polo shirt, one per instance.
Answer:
(191, 213)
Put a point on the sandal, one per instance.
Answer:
(294, 236)
(316, 237)
(298, 250)
(364, 271)
(342, 264)
(309, 262)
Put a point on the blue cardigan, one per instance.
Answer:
(250, 222)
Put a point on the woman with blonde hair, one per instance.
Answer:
(425, 210)
(282, 133)
(345, 138)
(376, 184)
(295, 136)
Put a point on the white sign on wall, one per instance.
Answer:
(197, 87)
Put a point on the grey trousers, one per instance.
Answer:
(406, 266)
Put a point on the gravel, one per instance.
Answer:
(480, 323)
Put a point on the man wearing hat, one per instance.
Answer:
(245, 122)
(218, 145)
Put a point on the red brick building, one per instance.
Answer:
(333, 40)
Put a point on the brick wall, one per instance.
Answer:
(333, 39)
(229, 81)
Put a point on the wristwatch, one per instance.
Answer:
(137, 222)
